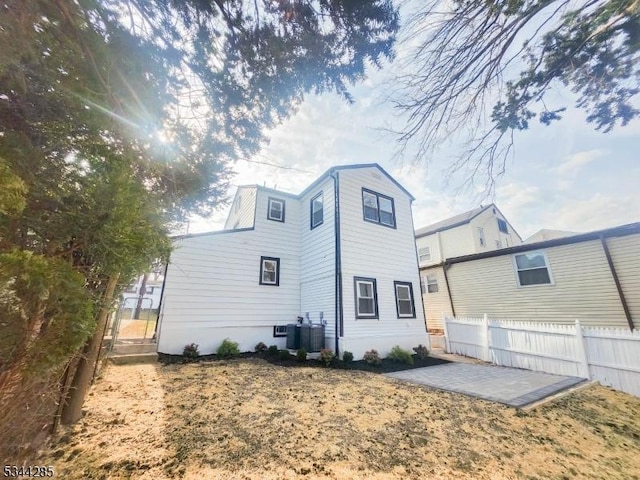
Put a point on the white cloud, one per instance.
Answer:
(576, 161)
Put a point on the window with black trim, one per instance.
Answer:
(532, 269)
(275, 210)
(378, 208)
(366, 297)
(316, 210)
(269, 271)
(280, 331)
(404, 300)
(502, 226)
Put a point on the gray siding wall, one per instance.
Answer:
(583, 285)
(376, 251)
(317, 260)
(212, 288)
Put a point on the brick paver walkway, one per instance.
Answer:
(510, 386)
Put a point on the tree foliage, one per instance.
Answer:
(487, 68)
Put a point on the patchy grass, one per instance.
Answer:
(247, 418)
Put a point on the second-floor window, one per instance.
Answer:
(483, 241)
(432, 284)
(502, 226)
(317, 210)
(275, 210)
(424, 254)
(378, 208)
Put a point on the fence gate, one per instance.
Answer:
(133, 323)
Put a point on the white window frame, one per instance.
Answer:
(279, 330)
(409, 287)
(357, 281)
(319, 198)
(273, 200)
(546, 264)
(275, 260)
(426, 255)
(483, 240)
(432, 280)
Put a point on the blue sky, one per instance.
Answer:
(565, 176)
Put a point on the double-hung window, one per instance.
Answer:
(275, 210)
(532, 268)
(316, 210)
(366, 297)
(378, 208)
(269, 271)
(424, 254)
(502, 226)
(432, 284)
(404, 300)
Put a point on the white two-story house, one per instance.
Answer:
(479, 230)
(342, 253)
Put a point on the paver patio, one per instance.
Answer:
(510, 386)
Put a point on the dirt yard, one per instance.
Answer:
(250, 419)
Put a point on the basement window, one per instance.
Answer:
(280, 331)
(532, 268)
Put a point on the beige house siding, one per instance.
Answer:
(625, 252)
(435, 304)
(583, 286)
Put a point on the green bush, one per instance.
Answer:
(422, 352)
(399, 355)
(272, 350)
(190, 352)
(284, 355)
(347, 357)
(261, 347)
(326, 356)
(372, 358)
(301, 355)
(228, 349)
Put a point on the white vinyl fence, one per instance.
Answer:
(608, 355)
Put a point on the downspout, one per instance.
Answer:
(623, 300)
(339, 325)
(161, 304)
(445, 267)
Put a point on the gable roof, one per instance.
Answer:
(549, 234)
(452, 222)
(621, 231)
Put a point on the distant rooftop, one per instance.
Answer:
(548, 234)
(452, 222)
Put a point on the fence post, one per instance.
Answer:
(485, 332)
(446, 332)
(582, 352)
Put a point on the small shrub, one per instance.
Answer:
(326, 356)
(422, 352)
(372, 358)
(301, 355)
(347, 357)
(190, 352)
(401, 356)
(272, 350)
(261, 347)
(228, 349)
(284, 355)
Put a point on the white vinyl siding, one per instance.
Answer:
(583, 287)
(242, 213)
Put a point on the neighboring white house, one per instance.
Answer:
(592, 277)
(546, 234)
(482, 229)
(341, 252)
(150, 290)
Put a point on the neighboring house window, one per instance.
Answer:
(366, 297)
(424, 254)
(502, 226)
(317, 210)
(423, 283)
(276, 209)
(238, 203)
(149, 291)
(533, 269)
(432, 283)
(378, 208)
(498, 244)
(280, 331)
(404, 300)
(483, 242)
(269, 271)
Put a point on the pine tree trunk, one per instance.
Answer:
(141, 294)
(72, 410)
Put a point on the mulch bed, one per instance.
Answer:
(386, 366)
